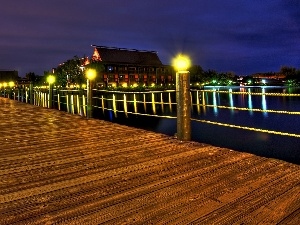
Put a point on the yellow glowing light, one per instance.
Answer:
(0, 85)
(181, 62)
(124, 85)
(249, 128)
(135, 85)
(83, 85)
(11, 84)
(51, 79)
(153, 84)
(91, 74)
(4, 84)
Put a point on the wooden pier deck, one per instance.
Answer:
(58, 168)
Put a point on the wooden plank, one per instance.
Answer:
(61, 168)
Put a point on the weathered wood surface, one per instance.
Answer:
(58, 168)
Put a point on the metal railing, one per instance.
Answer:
(149, 103)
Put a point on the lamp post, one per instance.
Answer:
(11, 84)
(4, 86)
(51, 81)
(90, 75)
(183, 99)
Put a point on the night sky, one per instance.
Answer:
(243, 36)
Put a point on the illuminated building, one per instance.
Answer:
(131, 67)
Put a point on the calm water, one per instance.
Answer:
(263, 144)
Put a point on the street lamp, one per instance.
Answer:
(4, 86)
(181, 63)
(90, 75)
(51, 81)
(11, 84)
(1, 85)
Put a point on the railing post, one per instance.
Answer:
(31, 93)
(90, 75)
(89, 99)
(19, 93)
(50, 80)
(50, 103)
(183, 100)
(22, 94)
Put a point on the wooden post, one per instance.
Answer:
(89, 99)
(31, 93)
(183, 100)
(50, 103)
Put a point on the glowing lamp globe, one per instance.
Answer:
(181, 62)
(91, 74)
(11, 84)
(51, 79)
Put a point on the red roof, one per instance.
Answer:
(112, 55)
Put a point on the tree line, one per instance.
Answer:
(71, 72)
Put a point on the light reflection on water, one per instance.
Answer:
(264, 101)
(270, 145)
(215, 103)
(264, 144)
(250, 105)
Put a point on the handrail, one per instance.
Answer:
(251, 93)
(248, 128)
(251, 110)
(77, 104)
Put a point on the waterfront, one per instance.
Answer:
(260, 120)
(266, 114)
(261, 143)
